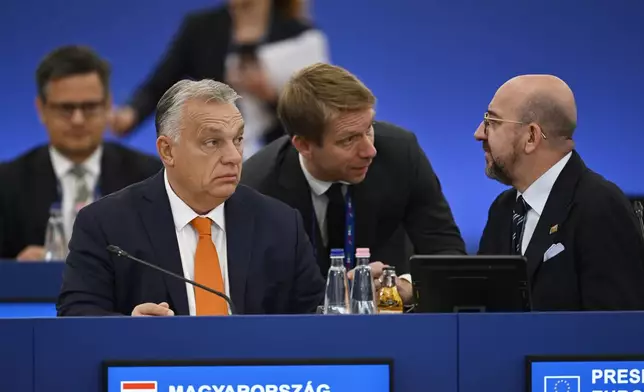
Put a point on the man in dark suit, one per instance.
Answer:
(194, 220)
(76, 166)
(577, 230)
(356, 182)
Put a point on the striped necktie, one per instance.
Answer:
(519, 212)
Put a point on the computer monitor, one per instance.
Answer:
(474, 283)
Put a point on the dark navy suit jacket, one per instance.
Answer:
(271, 264)
(601, 266)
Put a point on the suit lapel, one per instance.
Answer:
(111, 178)
(239, 238)
(298, 195)
(365, 211)
(43, 186)
(156, 214)
(505, 224)
(554, 212)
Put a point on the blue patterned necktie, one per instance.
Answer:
(519, 212)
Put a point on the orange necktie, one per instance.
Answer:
(207, 271)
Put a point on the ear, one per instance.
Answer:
(164, 149)
(302, 146)
(40, 109)
(534, 138)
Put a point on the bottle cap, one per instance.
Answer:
(362, 252)
(337, 252)
(390, 268)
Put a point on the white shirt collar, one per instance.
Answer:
(62, 165)
(183, 215)
(317, 186)
(537, 193)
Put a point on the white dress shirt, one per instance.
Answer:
(321, 201)
(187, 238)
(536, 196)
(62, 168)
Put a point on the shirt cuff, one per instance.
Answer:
(406, 277)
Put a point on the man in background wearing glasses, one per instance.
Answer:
(577, 230)
(76, 167)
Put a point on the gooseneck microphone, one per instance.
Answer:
(121, 253)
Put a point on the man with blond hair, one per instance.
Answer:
(356, 181)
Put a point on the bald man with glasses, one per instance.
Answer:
(576, 229)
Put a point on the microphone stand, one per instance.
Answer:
(121, 253)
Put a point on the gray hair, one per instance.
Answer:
(168, 114)
(550, 113)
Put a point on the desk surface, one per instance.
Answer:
(447, 353)
(492, 347)
(475, 352)
(30, 281)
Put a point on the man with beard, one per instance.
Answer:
(577, 230)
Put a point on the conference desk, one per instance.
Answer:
(29, 289)
(432, 352)
(437, 352)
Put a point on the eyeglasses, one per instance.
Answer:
(67, 109)
(487, 119)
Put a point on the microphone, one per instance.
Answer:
(121, 253)
(639, 211)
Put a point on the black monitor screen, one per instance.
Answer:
(446, 284)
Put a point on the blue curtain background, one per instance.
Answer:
(434, 66)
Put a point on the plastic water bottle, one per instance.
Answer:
(363, 291)
(55, 241)
(336, 298)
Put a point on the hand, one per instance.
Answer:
(252, 78)
(405, 289)
(122, 120)
(150, 309)
(32, 253)
(376, 272)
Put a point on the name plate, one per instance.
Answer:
(585, 373)
(249, 376)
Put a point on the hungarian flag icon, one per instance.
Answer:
(138, 386)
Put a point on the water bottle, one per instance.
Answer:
(363, 291)
(55, 241)
(336, 298)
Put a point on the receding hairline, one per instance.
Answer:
(174, 101)
(546, 100)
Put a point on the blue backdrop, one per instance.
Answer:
(434, 65)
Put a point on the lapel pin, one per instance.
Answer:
(554, 229)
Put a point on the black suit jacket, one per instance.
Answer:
(199, 50)
(399, 200)
(269, 271)
(28, 189)
(602, 265)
